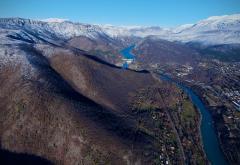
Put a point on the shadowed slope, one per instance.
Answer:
(48, 114)
(10, 158)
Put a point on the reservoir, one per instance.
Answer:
(128, 57)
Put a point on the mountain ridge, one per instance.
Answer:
(211, 31)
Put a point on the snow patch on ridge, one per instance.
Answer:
(56, 20)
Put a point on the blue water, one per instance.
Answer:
(126, 53)
(211, 144)
(125, 65)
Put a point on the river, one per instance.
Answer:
(210, 141)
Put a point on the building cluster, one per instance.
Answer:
(234, 97)
(184, 70)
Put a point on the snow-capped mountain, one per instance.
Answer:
(61, 29)
(59, 20)
(137, 31)
(211, 31)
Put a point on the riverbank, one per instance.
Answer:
(220, 128)
(220, 115)
(210, 140)
(197, 123)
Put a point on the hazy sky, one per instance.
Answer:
(120, 12)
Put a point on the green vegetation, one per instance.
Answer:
(199, 159)
(188, 114)
(20, 107)
(145, 106)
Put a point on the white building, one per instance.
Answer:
(128, 60)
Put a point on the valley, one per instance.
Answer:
(100, 94)
(217, 85)
(208, 135)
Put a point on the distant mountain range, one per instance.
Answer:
(211, 31)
